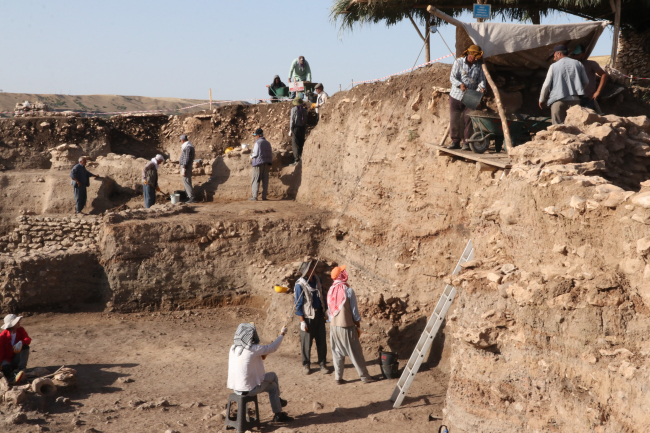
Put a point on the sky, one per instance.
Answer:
(183, 48)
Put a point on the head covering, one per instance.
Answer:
(336, 295)
(184, 137)
(336, 271)
(245, 336)
(560, 48)
(11, 320)
(474, 50)
(318, 86)
(304, 268)
(297, 100)
(258, 132)
(577, 49)
(161, 158)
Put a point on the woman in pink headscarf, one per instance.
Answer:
(345, 321)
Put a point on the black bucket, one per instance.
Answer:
(182, 193)
(389, 364)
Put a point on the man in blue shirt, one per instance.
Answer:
(80, 181)
(564, 85)
(310, 309)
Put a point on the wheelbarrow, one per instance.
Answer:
(488, 128)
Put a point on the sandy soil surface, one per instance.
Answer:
(182, 357)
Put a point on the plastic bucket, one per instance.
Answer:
(389, 364)
(175, 198)
(472, 98)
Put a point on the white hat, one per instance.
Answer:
(11, 320)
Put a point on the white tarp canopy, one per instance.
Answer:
(500, 41)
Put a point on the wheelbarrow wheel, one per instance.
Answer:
(478, 146)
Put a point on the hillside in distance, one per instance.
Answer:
(100, 103)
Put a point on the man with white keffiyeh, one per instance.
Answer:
(150, 180)
(246, 375)
(310, 309)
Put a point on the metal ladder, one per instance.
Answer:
(429, 333)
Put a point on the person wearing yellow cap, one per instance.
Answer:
(466, 73)
(345, 321)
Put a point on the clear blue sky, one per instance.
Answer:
(182, 48)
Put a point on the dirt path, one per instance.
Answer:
(182, 357)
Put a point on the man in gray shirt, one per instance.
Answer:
(564, 84)
(261, 160)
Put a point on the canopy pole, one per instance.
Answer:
(502, 114)
(617, 28)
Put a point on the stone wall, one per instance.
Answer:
(50, 234)
(633, 56)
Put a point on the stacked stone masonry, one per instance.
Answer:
(633, 56)
(45, 233)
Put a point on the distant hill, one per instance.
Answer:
(100, 103)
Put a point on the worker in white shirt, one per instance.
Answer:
(246, 375)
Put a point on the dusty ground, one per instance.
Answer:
(182, 357)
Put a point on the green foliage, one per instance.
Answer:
(348, 14)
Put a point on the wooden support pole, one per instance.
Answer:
(444, 137)
(617, 28)
(502, 112)
(443, 16)
(210, 99)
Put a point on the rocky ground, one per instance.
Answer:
(167, 371)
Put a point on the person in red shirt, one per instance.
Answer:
(14, 349)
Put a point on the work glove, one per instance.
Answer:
(283, 331)
(303, 326)
(18, 347)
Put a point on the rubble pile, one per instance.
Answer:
(633, 57)
(35, 233)
(40, 383)
(587, 148)
(39, 109)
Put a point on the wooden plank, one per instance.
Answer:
(489, 159)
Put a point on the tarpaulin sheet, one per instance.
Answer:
(500, 41)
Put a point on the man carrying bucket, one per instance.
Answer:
(466, 73)
(150, 180)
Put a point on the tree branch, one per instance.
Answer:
(416, 27)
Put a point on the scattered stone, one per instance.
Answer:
(18, 418)
(577, 203)
(508, 268)
(643, 246)
(494, 277)
(64, 400)
(560, 249)
(318, 406)
(125, 380)
(471, 264)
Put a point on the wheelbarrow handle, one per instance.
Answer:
(489, 136)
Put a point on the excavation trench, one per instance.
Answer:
(548, 326)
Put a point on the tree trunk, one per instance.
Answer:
(427, 43)
(535, 17)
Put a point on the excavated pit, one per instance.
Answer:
(546, 333)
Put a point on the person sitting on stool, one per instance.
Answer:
(246, 374)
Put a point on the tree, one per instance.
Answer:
(348, 14)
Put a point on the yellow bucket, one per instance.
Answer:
(281, 289)
(229, 149)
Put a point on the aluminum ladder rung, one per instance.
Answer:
(428, 335)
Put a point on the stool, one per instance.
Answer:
(243, 421)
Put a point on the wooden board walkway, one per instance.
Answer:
(499, 160)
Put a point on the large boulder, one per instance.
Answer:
(581, 117)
